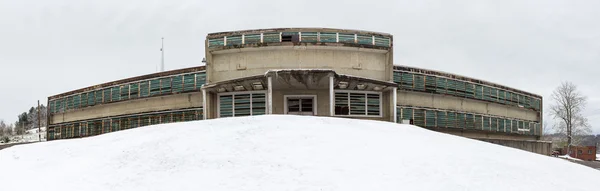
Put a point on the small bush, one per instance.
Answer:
(4, 139)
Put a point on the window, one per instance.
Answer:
(289, 37)
(364, 39)
(346, 38)
(91, 99)
(177, 117)
(234, 40)
(441, 119)
(177, 84)
(356, 103)
(429, 83)
(155, 87)
(328, 37)
(165, 85)
(430, 118)
(243, 104)
(107, 95)
(115, 125)
(407, 114)
(116, 93)
(133, 90)
(440, 86)
(407, 81)
(124, 92)
(382, 41)
(579, 152)
(144, 89)
(98, 96)
(419, 82)
(451, 120)
(309, 37)
(251, 38)
(271, 37)
(76, 101)
(216, 42)
(200, 79)
(590, 151)
(84, 102)
(189, 82)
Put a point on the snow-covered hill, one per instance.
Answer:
(283, 153)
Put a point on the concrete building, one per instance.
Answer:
(304, 71)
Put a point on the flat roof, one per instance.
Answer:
(239, 32)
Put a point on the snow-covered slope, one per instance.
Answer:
(283, 153)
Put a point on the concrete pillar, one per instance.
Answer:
(394, 102)
(331, 97)
(204, 113)
(270, 95)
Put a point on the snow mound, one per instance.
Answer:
(283, 153)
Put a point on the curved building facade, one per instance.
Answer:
(302, 71)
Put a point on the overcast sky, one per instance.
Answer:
(50, 47)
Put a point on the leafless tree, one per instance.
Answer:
(567, 108)
(3, 126)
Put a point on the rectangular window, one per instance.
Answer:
(494, 124)
(419, 82)
(124, 92)
(154, 119)
(165, 85)
(251, 38)
(177, 117)
(144, 89)
(363, 39)
(200, 79)
(234, 40)
(189, 82)
(469, 90)
(440, 85)
(271, 37)
(328, 37)
(99, 97)
(407, 81)
(106, 126)
(69, 103)
(486, 123)
(478, 92)
(356, 103)
(243, 104)
(346, 38)
(115, 125)
(501, 125)
(144, 121)
(309, 37)
(451, 87)
(486, 93)
(177, 84)
(116, 93)
(289, 37)
(91, 99)
(133, 90)
(419, 117)
(134, 122)
(461, 121)
(382, 41)
(441, 119)
(166, 118)
(430, 84)
(494, 94)
(216, 42)
(430, 118)
(501, 97)
(469, 121)
(407, 114)
(515, 126)
(478, 122)
(76, 101)
(84, 102)
(590, 151)
(460, 88)
(107, 95)
(154, 87)
(451, 120)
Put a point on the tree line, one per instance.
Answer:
(25, 121)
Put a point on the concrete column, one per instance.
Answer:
(204, 104)
(270, 95)
(394, 102)
(331, 97)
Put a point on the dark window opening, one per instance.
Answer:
(286, 38)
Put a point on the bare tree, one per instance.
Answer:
(567, 108)
(3, 126)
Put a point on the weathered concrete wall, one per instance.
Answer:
(463, 104)
(486, 134)
(243, 62)
(168, 102)
(539, 147)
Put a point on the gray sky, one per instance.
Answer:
(50, 47)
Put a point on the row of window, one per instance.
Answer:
(440, 85)
(134, 90)
(244, 104)
(107, 125)
(309, 37)
(355, 103)
(452, 119)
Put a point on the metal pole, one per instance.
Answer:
(39, 122)
(162, 50)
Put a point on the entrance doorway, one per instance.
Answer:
(300, 104)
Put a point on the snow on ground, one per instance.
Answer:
(569, 157)
(283, 153)
(31, 135)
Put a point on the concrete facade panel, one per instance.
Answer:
(160, 103)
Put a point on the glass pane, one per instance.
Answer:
(357, 104)
(307, 105)
(341, 104)
(226, 106)
(293, 105)
(242, 105)
(259, 106)
(373, 107)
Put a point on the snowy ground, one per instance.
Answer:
(284, 153)
(31, 135)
